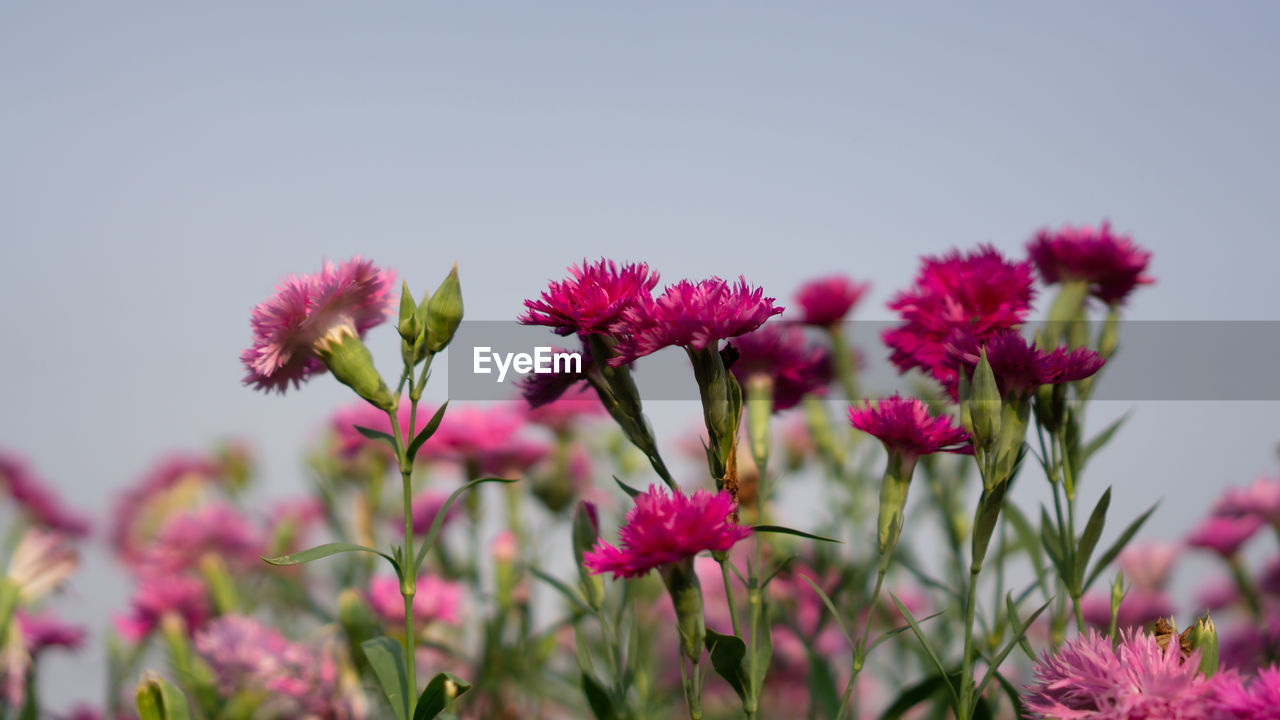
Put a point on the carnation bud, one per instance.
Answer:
(893, 500)
(444, 312)
(1204, 637)
(586, 531)
(410, 327)
(351, 363)
(984, 405)
(686, 597)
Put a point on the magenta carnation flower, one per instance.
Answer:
(566, 411)
(1019, 366)
(825, 301)
(1111, 264)
(980, 292)
(159, 596)
(667, 528)
(692, 315)
(1224, 535)
(793, 367)
(313, 311)
(1085, 678)
(39, 503)
(542, 389)
(592, 299)
(1256, 699)
(905, 426)
(426, 507)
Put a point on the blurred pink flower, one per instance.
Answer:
(666, 528)
(426, 506)
(141, 511)
(297, 680)
(566, 410)
(826, 300)
(486, 440)
(434, 600)
(43, 630)
(1085, 678)
(1224, 535)
(160, 596)
(350, 441)
(1262, 499)
(1238, 698)
(1112, 264)
(979, 292)
(592, 299)
(905, 426)
(781, 354)
(1147, 564)
(36, 499)
(216, 529)
(1218, 594)
(1139, 607)
(692, 315)
(541, 390)
(342, 300)
(1019, 366)
(41, 562)
(1247, 645)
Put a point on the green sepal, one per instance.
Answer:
(984, 523)
(686, 597)
(351, 363)
(441, 691)
(384, 655)
(444, 312)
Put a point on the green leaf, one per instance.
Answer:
(562, 588)
(159, 699)
(1102, 438)
(435, 698)
(384, 656)
(913, 696)
(1089, 538)
(1026, 536)
(1117, 546)
(761, 647)
(432, 425)
(598, 699)
(324, 551)
(822, 687)
(444, 512)
(1014, 699)
(1052, 543)
(834, 612)
(727, 652)
(924, 643)
(630, 491)
(791, 531)
(1018, 630)
(377, 435)
(888, 634)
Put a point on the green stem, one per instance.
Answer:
(408, 571)
(843, 363)
(860, 647)
(728, 593)
(965, 711)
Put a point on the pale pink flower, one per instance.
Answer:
(1111, 264)
(160, 596)
(311, 310)
(592, 299)
(41, 563)
(566, 411)
(37, 499)
(905, 426)
(826, 300)
(1224, 535)
(1085, 678)
(664, 528)
(216, 529)
(1139, 607)
(171, 484)
(696, 316)
(1262, 499)
(1147, 564)
(434, 600)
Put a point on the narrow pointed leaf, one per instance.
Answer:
(435, 698)
(384, 657)
(561, 588)
(1089, 538)
(377, 435)
(1118, 545)
(324, 551)
(831, 607)
(1101, 439)
(1052, 544)
(791, 531)
(1014, 699)
(889, 634)
(432, 425)
(630, 491)
(913, 696)
(924, 643)
(598, 699)
(444, 512)
(1018, 630)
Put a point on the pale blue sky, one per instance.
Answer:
(165, 165)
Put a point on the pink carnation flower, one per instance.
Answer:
(980, 292)
(1085, 678)
(1019, 366)
(37, 500)
(566, 411)
(350, 441)
(435, 600)
(1256, 699)
(825, 301)
(1224, 535)
(1262, 498)
(339, 301)
(217, 529)
(905, 426)
(140, 511)
(542, 389)
(667, 528)
(793, 367)
(487, 440)
(1147, 564)
(1140, 606)
(1112, 264)
(592, 299)
(692, 315)
(159, 596)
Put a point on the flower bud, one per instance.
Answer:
(1204, 637)
(893, 500)
(984, 405)
(351, 363)
(444, 312)
(410, 326)
(686, 597)
(586, 531)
